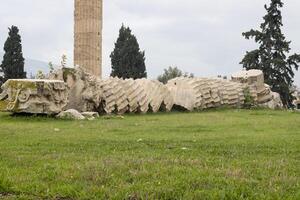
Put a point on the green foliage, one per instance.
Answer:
(271, 56)
(228, 154)
(69, 72)
(63, 61)
(172, 72)
(13, 62)
(40, 75)
(127, 60)
(51, 67)
(249, 100)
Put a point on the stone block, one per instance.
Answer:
(33, 96)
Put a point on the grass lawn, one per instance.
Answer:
(225, 154)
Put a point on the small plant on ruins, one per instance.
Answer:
(127, 60)
(173, 72)
(51, 67)
(40, 75)
(12, 65)
(63, 62)
(271, 56)
(249, 100)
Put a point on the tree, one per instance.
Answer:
(13, 62)
(271, 56)
(127, 60)
(173, 72)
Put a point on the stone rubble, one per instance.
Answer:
(90, 114)
(71, 114)
(90, 95)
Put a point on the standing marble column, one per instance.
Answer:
(88, 35)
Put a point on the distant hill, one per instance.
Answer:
(32, 66)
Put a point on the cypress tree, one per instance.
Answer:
(13, 62)
(127, 60)
(271, 56)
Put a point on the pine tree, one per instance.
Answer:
(13, 61)
(271, 56)
(127, 60)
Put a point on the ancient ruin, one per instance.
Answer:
(113, 95)
(82, 89)
(87, 93)
(88, 35)
(260, 91)
(33, 96)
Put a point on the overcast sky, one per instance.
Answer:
(199, 36)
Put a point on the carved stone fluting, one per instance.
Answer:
(88, 36)
(202, 93)
(114, 98)
(113, 95)
(135, 96)
(87, 93)
(155, 97)
(254, 79)
(134, 93)
(33, 96)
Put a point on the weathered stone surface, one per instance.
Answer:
(90, 114)
(86, 93)
(274, 103)
(88, 35)
(155, 96)
(70, 114)
(113, 95)
(251, 77)
(85, 90)
(202, 93)
(296, 102)
(254, 79)
(33, 96)
(140, 96)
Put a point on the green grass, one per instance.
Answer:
(226, 154)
